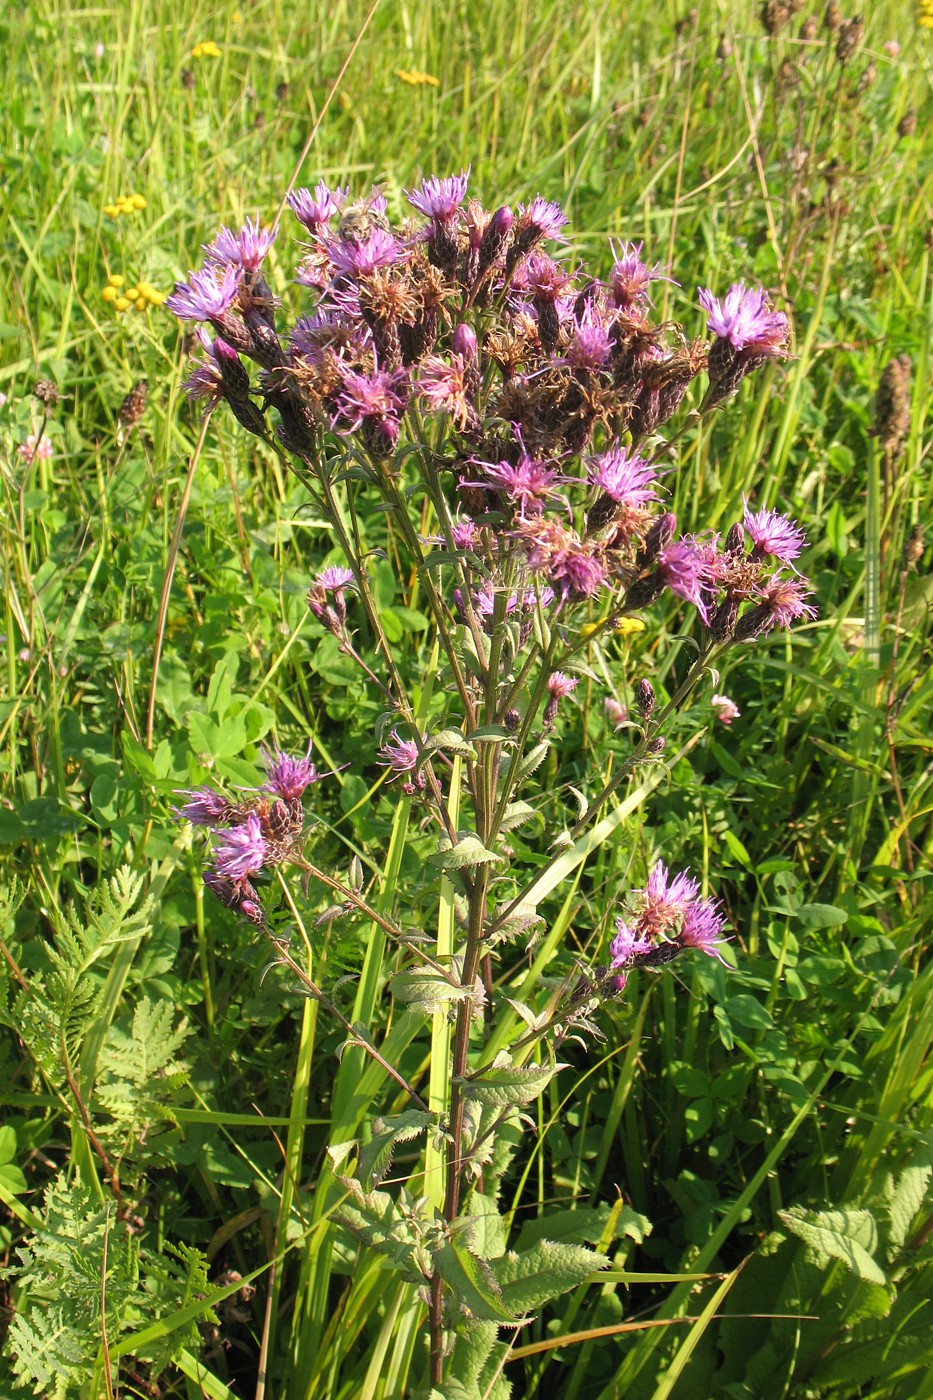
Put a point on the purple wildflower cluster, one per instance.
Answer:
(550, 383)
(668, 916)
(258, 829)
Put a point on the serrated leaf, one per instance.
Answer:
(450, 741)
(509, 1086)
(428, 990)
(376, 1156)
(472, 1282)
(467, 853)
(908, 1196)
(847, 1235)
(533, 759)
(582, 1226)
(533, 1277)
(515, 814)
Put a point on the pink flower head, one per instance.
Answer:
(742, 317)
(773, 534)
(527, 483)
(624, 478)
(207, 295)
(317, 209)
(447, 385)
(540, 275)
(559, 685)
(702, 928)
(542, 218)
(665, 900)
(402, 756)
(356, 259)
(245, 248)
(36, 448)
(627, 946)
(578, 574)
(786, 600)
(684, 570)
(630, 278)
(241, 850)
(288, 777)
(591, 343)
(375, 400)
(334, 579)
(440, 198)
(616, 714)
(205, 807)
(726, 709)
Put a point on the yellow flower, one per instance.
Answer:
(116, 279)
(236, 17)
(109, 294)
(121, 304)
(925, 14)
(415, 79)
(112, 211)
(207, 49)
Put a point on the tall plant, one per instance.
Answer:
(504, 410)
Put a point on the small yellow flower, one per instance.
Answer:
(131, 293)
(416, 79)
(121, 304)
(628, 626)
(208, 49)
(925, 14)
(137, 201)
(236, 17)
(109, 294)
(141, 303)
(116, 279)
(112, 211)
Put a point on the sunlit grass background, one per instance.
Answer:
(802, 1081)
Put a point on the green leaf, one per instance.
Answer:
(473, 1283)
(847, 1235)
(821, 916)
(468, 852)
(535, 1276)
(428, 990)
(505, 1085)
(451, 741)
(376, 1156)
(746, 1010)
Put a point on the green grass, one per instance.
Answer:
(719, 1103)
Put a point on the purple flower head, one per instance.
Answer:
(577, 574)
(241, 850)
(463, 342)
(684, 568)
(245, 248)
(542, 218)
(206, 296)
(742, 317)
(402, 755)
(288, 777)
(773, 534)
(204, 808)
(627, 946)
(540, 275)
(527, 483)
(726, 710)
(448, 386)
(334, 579)
(591, 345)
(344, 335)
(463, 532)
(205, 380)
(559, 685)
(315, 210)
(665, 900)
(630, 278)
(356, 259)
(786, 600)
(626, 479)
(373, 399)
(440, 199)
(702, 928)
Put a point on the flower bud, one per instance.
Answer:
(512, 721)
(463, 342)
(735, 539)
(657, 538)
(494, 239)
(644, 698)
(657, 745)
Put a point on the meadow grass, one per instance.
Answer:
(765, 1134)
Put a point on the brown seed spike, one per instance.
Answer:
(134, 405)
